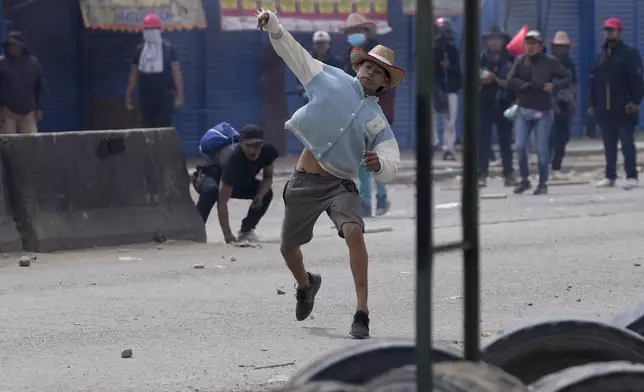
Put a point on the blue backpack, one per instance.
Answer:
(216, 138)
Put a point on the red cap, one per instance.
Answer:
(613, 23)
(152, 21)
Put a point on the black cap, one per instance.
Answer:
(251, 133)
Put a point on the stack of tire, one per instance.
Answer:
(552, 356)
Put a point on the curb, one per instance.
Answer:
(408, 177)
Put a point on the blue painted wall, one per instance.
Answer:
(222, 69)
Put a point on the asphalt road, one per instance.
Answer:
(65, 320)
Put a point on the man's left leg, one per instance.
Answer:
(346, 213)
(542, 129)
(449, 130)
(364, 186)
(382, 201)
(255, 212)
(627, 140)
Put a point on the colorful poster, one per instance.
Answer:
(441, 7)
(303, 15)
(126, 15)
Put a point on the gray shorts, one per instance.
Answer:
(306, 196)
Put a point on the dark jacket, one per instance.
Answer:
(448, 80)
(492, 95)
(387, 99)
(530, 73)
(615, 81)
(21, 81)
(566, 98)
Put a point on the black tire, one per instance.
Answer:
(595, 377)
(535, 351)
(450, 377)
(327, 386)
(360, 363)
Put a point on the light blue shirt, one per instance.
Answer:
(339, 122)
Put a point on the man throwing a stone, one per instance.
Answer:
(342, 127)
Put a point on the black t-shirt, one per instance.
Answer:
(239, 171)
(157, 86)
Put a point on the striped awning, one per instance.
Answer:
(126, 15)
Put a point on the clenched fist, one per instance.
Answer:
(267, 21)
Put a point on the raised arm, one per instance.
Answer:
(303, 65)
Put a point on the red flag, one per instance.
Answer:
(516, 47)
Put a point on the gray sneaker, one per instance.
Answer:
(248, 236)
(306, 298)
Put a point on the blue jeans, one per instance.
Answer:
(364, 186)
(625, 134)
(541, 127)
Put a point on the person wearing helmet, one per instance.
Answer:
(21, 81)
(615, 92)
(495, 63)
(156, 71)
(321, 51)
(447, 85)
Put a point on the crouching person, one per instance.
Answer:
(234, 160)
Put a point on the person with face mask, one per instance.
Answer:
(342, 128)
(535, 78)
(360, 34)
(447, 85)
(156, 71)
(495, 63)
(565, 106)
(615, 93)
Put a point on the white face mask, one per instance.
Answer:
(152, 36)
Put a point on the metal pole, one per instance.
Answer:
(470, 191)
(424, 149)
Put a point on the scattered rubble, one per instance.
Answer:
(127, 353)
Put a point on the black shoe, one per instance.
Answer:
(449, 156)
(360, 326)
(541, 190)
(366, 210)
(509, 180)
(523, 186)
(306, 298)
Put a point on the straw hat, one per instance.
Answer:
(356, 20)
(561, 38)
(382, 56)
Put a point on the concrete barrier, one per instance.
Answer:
(99, 188)
(9, 237)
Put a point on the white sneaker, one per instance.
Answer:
(605, 183)
(558, 175)
(248, 236)
(630, 183)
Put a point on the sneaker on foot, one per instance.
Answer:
(449, 156)
(541, 190)
(605, 183)
(630, 184)
(382, 206)
(509, 180)
(360, 326)
(558, 175)
(522, 186)
(306, 297)
(248, 236)
(366, 210)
